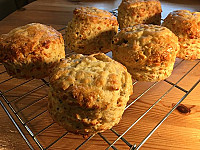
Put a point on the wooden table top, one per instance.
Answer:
(181, 130)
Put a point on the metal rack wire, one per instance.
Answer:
(9, 102)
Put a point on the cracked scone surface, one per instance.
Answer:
(91, 30)
(88, 94)
(133, 12)
(31, 51)
(186, 25)
(148, 51)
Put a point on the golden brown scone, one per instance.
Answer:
(91, 30)
(148, 51)
(186, 25)
(88, 94)
(133, 12)
(31, 51)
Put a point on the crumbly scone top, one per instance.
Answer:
(95, 81)
(142, 32)
(151, 44)
(186, 14)
(93, 12)
(184, 23)
(136, 2)
(28, 41)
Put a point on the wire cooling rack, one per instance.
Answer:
(25, 101)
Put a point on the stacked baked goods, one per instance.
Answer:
(133, 12)
(88, 94)
(31, 51)
(186, 25)
(148, 51)
(91, 30)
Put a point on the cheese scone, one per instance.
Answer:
(186, 25)
(91, 31)
(31, 51)
(148, 51)
(88, 94)
(133, 12)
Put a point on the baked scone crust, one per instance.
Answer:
(31, 50)
(148, 51)
(186, 25)
(133, 12)
(88, 94)
(91, 30)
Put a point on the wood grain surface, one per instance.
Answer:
(181, 130)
